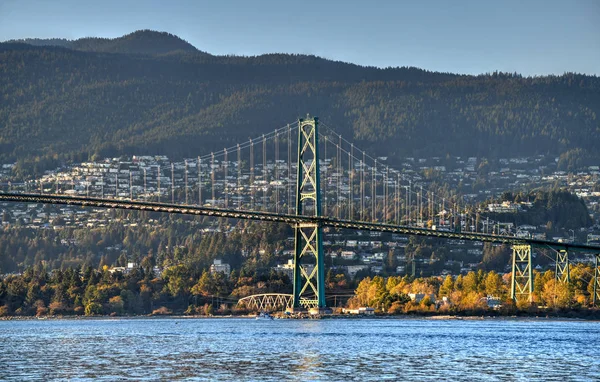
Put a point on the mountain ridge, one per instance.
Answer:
(59, 104)
(127, 44)
(139, 42)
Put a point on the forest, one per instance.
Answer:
(182, 290)
(153, 93)
(470, 293)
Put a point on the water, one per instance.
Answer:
(246, 349)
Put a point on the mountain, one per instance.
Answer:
(100, 97)
(139, 42)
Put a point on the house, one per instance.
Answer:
(348, 255)
(504, 207)
(352, 270)
(418, 297)
(287, 269)
(219, 266)
(117, 269)
(362, 310)
(492, 302)
(156, 271)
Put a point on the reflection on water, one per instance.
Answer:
(242, 349)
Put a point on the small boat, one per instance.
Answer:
(264, 316)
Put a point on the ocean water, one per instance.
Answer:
(331, 349)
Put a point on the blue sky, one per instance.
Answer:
(531, 37)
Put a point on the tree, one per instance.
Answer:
(494, 285)
(204, 286)
(116, 304)
(447, 287)
(178, 280)
(557, 294)
(361, 294)
(470, 282)
(495, 257)
(122, 261)
(458, 283)
(391, 261)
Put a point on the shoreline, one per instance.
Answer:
(328, 317)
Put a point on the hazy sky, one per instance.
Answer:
(527, 36)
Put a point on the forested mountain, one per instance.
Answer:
(101, 97)
(139, 42)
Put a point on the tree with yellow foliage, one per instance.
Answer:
(556, 294)
(494, 285)
(447, 287)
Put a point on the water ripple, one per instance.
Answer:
(348, 350)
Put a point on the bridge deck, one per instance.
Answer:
(285, 218)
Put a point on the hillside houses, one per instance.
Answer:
(227, 183)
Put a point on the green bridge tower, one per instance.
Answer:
(309, 268)
(521, 288)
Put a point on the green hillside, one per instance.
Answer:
(102, 97)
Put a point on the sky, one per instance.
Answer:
(530, 37)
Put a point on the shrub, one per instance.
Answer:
(57, 308)
(161, 311)
(396, 308)
(93, 308)
(41, 311)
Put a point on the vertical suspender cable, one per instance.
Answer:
(225, 180)
(264, 173)
(199, 181)
(158, 182)
(212, 178)
(239, 177)
(186, 180)
(172, 183)
(251, 174)
(276, 171)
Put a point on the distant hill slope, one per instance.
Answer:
(139, 42)
(64, 104)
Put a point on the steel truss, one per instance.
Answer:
(267, 302)
(563, 275)
(522, 274)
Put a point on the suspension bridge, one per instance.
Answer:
(326, 181)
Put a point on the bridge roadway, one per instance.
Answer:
(285, 218)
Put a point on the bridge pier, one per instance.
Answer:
(309, 274)
(522, 273)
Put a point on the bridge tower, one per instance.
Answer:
(596, 281)
(563, 275)
(522, 273)
(309, 268)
